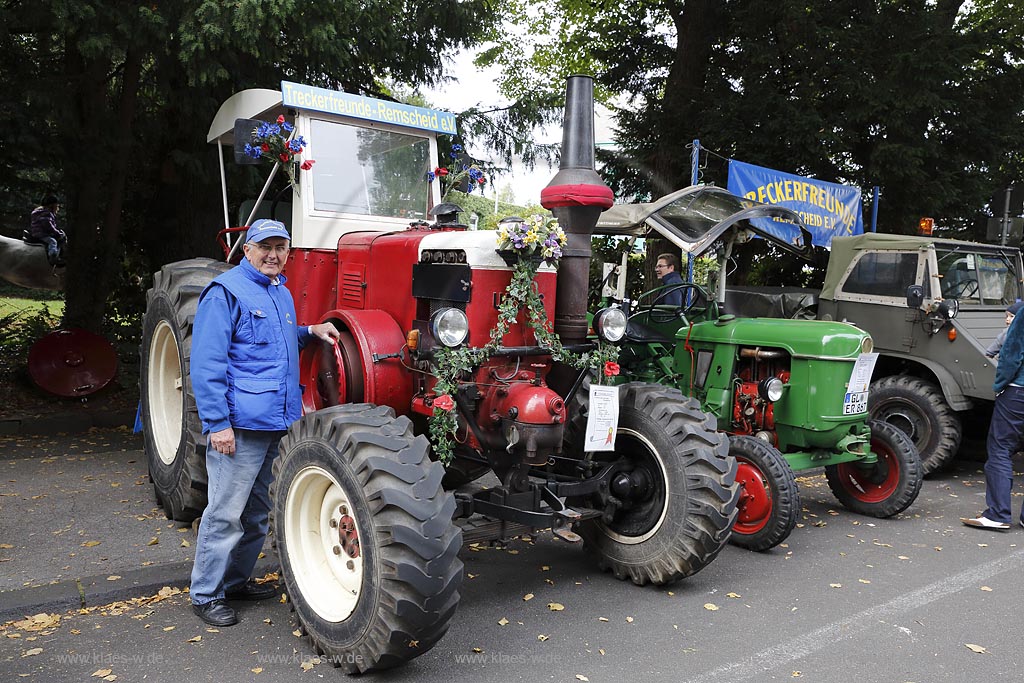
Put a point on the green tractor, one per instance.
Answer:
(792, 394)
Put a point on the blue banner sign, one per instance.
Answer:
(345, 104)
(829, 210)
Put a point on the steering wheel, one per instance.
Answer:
(962, 289)
(663, 313)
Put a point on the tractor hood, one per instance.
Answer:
(694, 217)
(812, 339)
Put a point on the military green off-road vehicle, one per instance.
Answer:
(793, 394)
(932, 307)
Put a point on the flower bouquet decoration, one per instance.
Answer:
(276, 143)
(524, 244)
(456, 173)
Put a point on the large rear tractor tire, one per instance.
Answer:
(364, 533)
(884, 488)
(676, 482)
(918, 409)
(174, 444)
(769, 497)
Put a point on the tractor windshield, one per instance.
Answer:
(369, 171)
(975, 277)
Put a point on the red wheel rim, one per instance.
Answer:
(755, 504)
(857, 479)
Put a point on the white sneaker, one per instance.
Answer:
(983, 522)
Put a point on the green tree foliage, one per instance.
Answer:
(113, 101)
(922, 98)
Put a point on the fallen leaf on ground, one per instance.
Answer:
(863, 580)
(556, 606)
(168, 628)
(986, 589)
(542, 637)
(581, 677)
(185, 543)
(297, 633)
(478, 650)
(100, 673)
(710, 606)
(629, 620)
(733, 595)
(32, 653)
(503, 622)
(90, 544)
(306, 664)
(602, 618)
(153, 541)
(835, 585)
(113, 577)
(528, 596)
(976, 648)
(257, 670)
(194, 639)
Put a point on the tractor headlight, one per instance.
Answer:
(770, 389)
(450, 326)
(610, 324)
(867, 346)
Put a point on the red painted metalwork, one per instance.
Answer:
(755, 503)
(582, 194)
(386, 382)
(482, 310)
(313, 281)
(348, 536)
(322, 374)
(72, 362)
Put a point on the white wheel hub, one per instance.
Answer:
(323, 544)
(164, 392)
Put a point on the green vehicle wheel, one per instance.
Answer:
(886, 487)
(769, 497)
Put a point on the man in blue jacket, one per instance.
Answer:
(666, 269)
(1005, 432)
(245, 377)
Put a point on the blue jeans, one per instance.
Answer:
(1005, 434)
(235, 521)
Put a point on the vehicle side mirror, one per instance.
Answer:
(915, 296)
(244, 129)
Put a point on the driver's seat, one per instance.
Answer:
(639, 333)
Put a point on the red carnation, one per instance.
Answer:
(611, 369)
(280, 119)
(284, 157)
(265, 147)
(307, 164)
(444, 402)
(442, 172)
(481, 180)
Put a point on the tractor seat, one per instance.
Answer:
(642, 334)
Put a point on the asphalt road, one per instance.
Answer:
(847, 598)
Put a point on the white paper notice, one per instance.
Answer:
(856, 399)
(603, 420)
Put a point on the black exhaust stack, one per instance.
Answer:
(576, 196)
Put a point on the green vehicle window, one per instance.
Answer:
(882, 274)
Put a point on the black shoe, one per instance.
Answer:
(251, 591)
(216, 613)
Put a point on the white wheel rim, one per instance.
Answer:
(165, 393)
(328, 579)
(633, 540)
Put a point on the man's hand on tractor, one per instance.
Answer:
(326, 331)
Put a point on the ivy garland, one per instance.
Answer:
(534, 242)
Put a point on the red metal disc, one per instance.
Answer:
(72, 362)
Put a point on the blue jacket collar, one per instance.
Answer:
(256, 276)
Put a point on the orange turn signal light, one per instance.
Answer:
(951, 335)
(412, 339)
(925, 226)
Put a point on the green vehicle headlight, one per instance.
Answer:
(770, 389)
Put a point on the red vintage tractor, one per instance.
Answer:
(367, 523)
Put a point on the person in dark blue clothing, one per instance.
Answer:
(1005, 432)
(665, 269)
(245, 377)
(43, 229)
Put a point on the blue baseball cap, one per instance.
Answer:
(265, 228)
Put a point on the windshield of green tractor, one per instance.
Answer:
(975, 277)
(368, 171)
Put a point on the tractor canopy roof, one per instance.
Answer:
(694, 217)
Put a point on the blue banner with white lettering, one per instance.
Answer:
(827, 209)
(345, 104)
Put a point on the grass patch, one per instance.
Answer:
(30, 307)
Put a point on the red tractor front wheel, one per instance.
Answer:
(769, 498)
